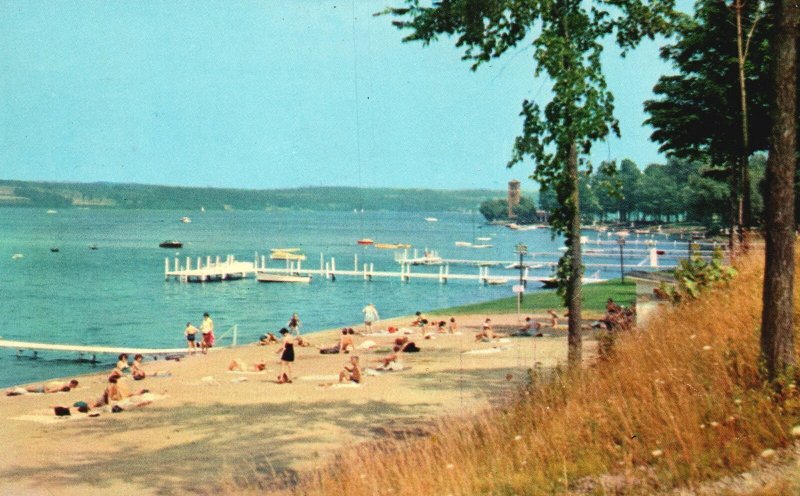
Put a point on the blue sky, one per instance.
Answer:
(254, 94)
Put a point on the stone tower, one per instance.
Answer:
(513, 197)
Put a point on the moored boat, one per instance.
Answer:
(365, 241)
(272, 277)
(171, 244)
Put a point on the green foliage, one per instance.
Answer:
(496, 209)
(695, 274)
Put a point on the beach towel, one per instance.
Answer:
(333, 377)
(487, 351)
(344, 385)
(366, 345)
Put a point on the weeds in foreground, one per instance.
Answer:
(678, 403)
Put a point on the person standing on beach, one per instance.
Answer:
(190, 332)
(207, 329)
(287, 357)
(370, 316)
(294, 324)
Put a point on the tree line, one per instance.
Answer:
(680, 190)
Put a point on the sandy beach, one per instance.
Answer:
(206, 424)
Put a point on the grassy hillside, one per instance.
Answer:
(678, 403)
(594, 298)
(110, 195)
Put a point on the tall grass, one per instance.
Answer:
(679, 402)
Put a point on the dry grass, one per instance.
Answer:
(680, 403)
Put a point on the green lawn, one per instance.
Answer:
(594, 300)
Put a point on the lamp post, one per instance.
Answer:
(521, 250)
(621, 243)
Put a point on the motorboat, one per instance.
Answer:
(55, 249)
(294, 277)
(365, 241)
(463, 244)
(496, 281)
(391, 246)
(481, 246)
(171, 244)
(525, 265)
(429, 258)
(431, 219)
(286, 254)
(186, 220)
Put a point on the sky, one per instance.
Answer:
(270, 94)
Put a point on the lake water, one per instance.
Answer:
(117, 296)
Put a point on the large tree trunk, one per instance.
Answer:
(777, 341)
(574, 337)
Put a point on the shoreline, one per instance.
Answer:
(237, 423)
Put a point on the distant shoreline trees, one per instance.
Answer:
(678, 191)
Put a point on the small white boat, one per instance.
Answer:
(531, 266)
(429, 258)
(431, 219)
(463, 244)
(481, 246)
(186, 220)
(484, 238)
(17, 256)
(286, 254)
(52, 211)
(496, 281)
(295, 277)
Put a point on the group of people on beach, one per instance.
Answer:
(206, 335)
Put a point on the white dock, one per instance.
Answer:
(212, 270)
(95, 350)
(87, 350)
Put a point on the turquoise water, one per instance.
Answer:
(117, 296)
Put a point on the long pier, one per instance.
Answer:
(95, 350)
(213, 270)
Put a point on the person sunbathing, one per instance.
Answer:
(487, 333)
(117, 390)
(531, 328)
(406, 345)
(50, 387)
(351, 371)
(391, 361)
(267, 338)
(136, 368)
(239, 365)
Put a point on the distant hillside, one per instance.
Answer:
(137, 196)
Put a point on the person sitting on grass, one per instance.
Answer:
(136, 368)
(351, 371)
(50, 387)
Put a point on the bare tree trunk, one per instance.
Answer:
(574, 338)
(777, 341)
(745, 201)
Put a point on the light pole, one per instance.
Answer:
(521, 250)
(621, 243)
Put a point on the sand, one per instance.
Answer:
(207, 425)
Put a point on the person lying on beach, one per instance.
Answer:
(239, 365)
(122, 364)
(406, 345)
(301, 341)
(391, 361)
(351, 371)
(50, 387)
(267, 338)
(136, 368)
(487, 333)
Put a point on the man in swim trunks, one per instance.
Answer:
(190, 332)
(50, 387)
